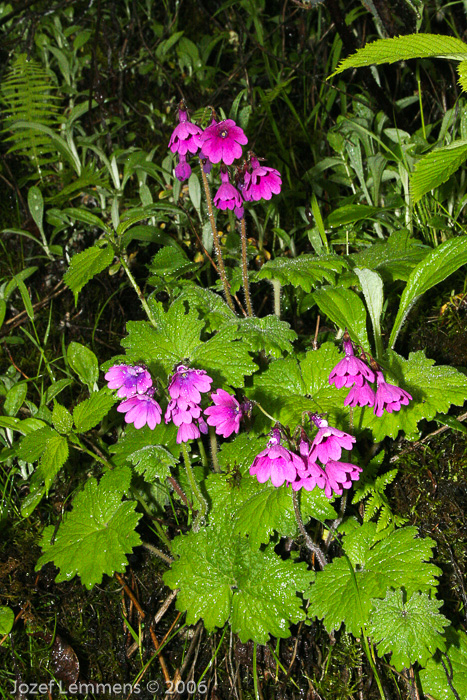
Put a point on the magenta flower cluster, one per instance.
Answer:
(135, 385)
(282, 465)
(352, 372)
(221, 142)
(184, 409)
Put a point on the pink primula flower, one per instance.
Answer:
(261, 182)
(128, 379)
(389, 397)
(186, 137)
(227, 196)
(350, 370)
(276, 463)
(225, 415)
(223, 142)
(141, 409)
(329, 442)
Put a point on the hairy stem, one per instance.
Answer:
(197, 495)
(138, 291)
(215, 236)
(309, 542)
(246, 284)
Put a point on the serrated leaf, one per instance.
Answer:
(153, 462)
(86, 265)
(62, 419)
(94, 538)
(240, 452)
(269, 334)
(402, 48)
(346, 309)
(225, 357)
(15, 398)
(433, 388)
(52, 459)
(304, 271)
(344, 590)
(170, 263)
(90, 412)
(434, 268)
(83, 361)
(437, 167)
(411, 631)
(177, 334)
(394, 258)
(220, 576)
(454, 662)
(32, 446)
(462, 73)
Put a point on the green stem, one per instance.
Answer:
(276, 285)
(215, 236)
(213, 441)
(246, 285)
(196, 492)
(138, 291)
(265, 412)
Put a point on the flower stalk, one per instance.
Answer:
(246, 285)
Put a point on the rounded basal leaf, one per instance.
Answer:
(446, 673)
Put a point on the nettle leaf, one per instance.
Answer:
(304, 271)
(434, 268)
(269, 334)
(94, 538)
(411, 631)
(170, 263)
(433, 388)
(213, 307)
(134, 440)
(62, 419)
(225, 357)
(241, 451)
(86, 265)
(454, 662)
(402, 48)
(32, 445)
(90, 412)
(153, 462)
(52, 460)
(345, 589)
(176, 336)
(346, 309)
(220, 576)
(83, 361)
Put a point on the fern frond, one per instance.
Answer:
(28, 94)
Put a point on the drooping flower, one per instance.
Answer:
(183, 169)
(141, 409)
(225, 415)
(388, 396)
(276, 463)
(328, 442)
(312, 476)
(261, 182)
(350, 370)
(188, 384)
(360, 396)
(128, 379)
(227, 196)
(191, 431)
(186, 137)
(339, 475)
(223, 142)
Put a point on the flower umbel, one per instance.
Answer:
(227, 196)
(186, 135)
(328, 442)
(223, 142)
(350, 370)
(261, 182)
(188, 384)
(226, 414)
(185, 388)
(128, 379)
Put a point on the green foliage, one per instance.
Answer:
(7, 619)
(153, 462)
(269, 334)
(86, 265)
(346, 309)
(447, 671)
(94, 538)
(304, 271)
(221, 577)
(90, 412)
(345, 590)
(84, 362)
(408, 629)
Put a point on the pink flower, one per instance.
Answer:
(227, 196)
(141, 409)
(261, 182)
(187, 384)
(339, 475)
(389, 397)
(311, 477)
(225, 415)
(186, 137)
(222, 142)
(329, 442)
(128, 379)
(360, 396)
(180, 411)
(190, 431)
(183, 169)
(276, 463)
(350, 370)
